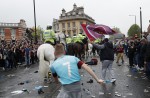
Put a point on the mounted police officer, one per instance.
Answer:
(78, 38)
(49, 35)
(68, 39)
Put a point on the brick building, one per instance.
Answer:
(11, 32)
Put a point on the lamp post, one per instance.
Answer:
(141, 21)
(35, 22)
(134, 17)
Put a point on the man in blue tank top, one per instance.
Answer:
(65, 68)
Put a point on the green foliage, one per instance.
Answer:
(116, 29)
(39, 32)
(134, 29)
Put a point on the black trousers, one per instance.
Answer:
(131, 61)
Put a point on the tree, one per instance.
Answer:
(39, 33)
(134, 29)
(117, 30)
(29, 34)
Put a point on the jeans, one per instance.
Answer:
(27, 59)
(6, 63)
(72, 90)
(107, 65)
(135, 59)
(148, 69)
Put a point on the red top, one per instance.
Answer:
(120, 50)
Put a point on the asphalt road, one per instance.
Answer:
(24, 82)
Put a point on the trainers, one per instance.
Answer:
(141, 69)
(137, 67)
(113, 80)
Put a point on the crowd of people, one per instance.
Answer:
(138, 53)
(17, 53)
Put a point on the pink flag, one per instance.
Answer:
(92, 35)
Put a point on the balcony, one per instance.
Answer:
(9, 24)
(62, 18)
(69, 28)
(74, 28)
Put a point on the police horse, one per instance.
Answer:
(61, 38)
(45, 53)
(81, 50)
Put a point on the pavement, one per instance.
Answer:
(24, 82)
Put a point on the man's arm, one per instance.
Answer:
(55, 77)
(99, 46)
(89, 70)
(54, 74)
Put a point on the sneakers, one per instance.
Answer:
(137, 67)
(113, 80)
(141, 69)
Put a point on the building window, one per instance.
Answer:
(2, 32)
(81, 22)
(69, 33)
(74, 33)
(73, 24)
(57, 26)
(81, 31)
(13, 32)
(63, 25)
(68, 25)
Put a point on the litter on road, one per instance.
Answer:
(11, 75)
(101, 93)
(17, 92)
(36, 72)
(129, 94)
(129, 75)
(90, 81)
(146, 91)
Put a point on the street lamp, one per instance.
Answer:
(35, 22)
(141, 21)
(134, 16)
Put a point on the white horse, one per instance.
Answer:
(61, 37)
(90, 47)
(45, 53)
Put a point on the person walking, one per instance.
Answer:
(120, 53)
(107, 58)
(27, 55)
(131, 52)
(147, 58)
(66, 68)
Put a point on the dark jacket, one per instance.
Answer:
(131, 51)
(142, 51)
(147, 53)
(106, 51)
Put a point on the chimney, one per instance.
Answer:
(74, 6)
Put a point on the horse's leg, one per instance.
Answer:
(79, 55)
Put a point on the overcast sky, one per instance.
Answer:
(114, 13)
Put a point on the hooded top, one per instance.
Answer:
(107, 53)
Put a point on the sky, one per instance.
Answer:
(114, 13)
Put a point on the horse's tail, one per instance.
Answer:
(43, 65)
